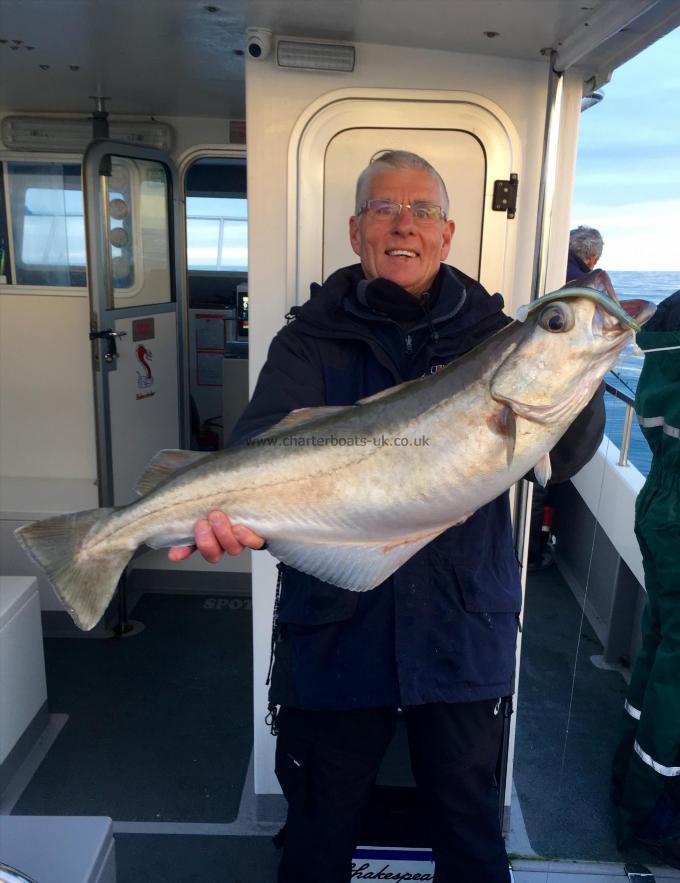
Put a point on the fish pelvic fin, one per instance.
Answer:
(163, 465)
(84, 585)
(543, 470)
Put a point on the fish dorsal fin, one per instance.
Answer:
(386, 392)
(354, 566)
(300, 417)
(163, 465)
(543, 470)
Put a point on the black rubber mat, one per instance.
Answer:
(159, 724)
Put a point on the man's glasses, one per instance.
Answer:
(386, 210)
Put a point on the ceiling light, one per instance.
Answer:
(72, 135)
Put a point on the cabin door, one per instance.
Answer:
(132, 223)
(469, 141)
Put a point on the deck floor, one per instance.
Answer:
(155, 731)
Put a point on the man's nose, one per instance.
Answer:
(403, 223)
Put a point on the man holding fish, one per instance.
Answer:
(437, 638)
(442, 403)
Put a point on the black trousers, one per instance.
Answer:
(327, 762)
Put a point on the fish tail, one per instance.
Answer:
(84, 584)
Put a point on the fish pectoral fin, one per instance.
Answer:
(300, 416)
(543, 470)
(163, 465)
(356, 566)
(504, 423)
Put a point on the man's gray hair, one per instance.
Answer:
(586, 242)
(385, 161)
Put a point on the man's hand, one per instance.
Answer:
(216, 535)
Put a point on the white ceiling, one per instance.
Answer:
(186, 52)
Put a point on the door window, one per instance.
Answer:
(136, 200)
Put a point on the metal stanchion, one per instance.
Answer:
(125, 628)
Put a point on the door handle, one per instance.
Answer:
(110, 336)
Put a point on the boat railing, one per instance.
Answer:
(629, 401)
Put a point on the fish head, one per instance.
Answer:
(566, 342)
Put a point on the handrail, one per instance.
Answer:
(629, 400)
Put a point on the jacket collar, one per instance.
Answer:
(335, 311)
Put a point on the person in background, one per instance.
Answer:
(437, 639)
(585, 250)
(646, 772)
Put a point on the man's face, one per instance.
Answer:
(399, 249)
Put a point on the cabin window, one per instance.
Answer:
(217, 233)
(47, 224)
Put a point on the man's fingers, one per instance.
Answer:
(179, 553)
(248, 537)
(207, 542)
(216, 535)
(222, 531)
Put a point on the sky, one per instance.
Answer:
(628, 164)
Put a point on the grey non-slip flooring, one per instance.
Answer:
(187, 859)
(568, 719)
(159, 725)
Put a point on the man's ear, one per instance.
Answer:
(447, 236)
(355, 235)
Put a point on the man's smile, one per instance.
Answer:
(401, 252)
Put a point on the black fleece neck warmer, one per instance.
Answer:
(391, 300)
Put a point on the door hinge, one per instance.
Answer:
(505, 196)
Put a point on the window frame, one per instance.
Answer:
(7, 156)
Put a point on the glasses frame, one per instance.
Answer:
(365, 207)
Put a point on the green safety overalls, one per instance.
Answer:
(647, 763)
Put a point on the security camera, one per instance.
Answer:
(259, 42)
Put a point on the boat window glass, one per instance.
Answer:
(48, 230)
(217, 233)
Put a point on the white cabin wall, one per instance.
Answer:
(275, 99)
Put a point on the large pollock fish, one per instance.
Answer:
(348, 494)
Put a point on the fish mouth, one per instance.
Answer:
(640, 311)
(610, 326)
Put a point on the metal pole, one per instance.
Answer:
(546, 192)
(523, 489)
(625, 439)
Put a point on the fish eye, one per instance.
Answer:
(556, 318)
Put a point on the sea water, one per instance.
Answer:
(654, 286)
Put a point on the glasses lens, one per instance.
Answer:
(426, 212)
(383, 209)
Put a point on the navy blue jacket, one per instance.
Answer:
(443, 627)
(575, 266)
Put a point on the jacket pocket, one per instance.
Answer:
(487, 590)
(485, 574)
(306, 600)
